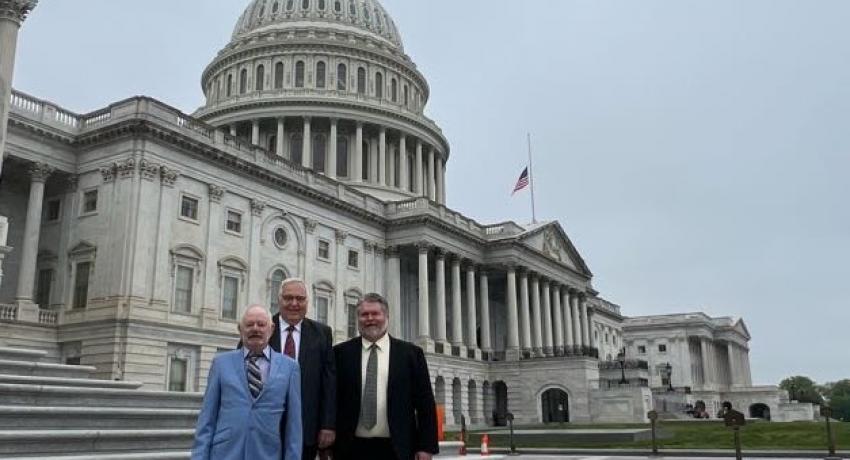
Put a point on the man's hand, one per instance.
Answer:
(326, 438)
(423, 456)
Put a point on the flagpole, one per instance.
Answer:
(531, 180)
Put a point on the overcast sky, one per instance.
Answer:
(696, 152)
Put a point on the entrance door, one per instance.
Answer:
(556, 407)
(500, 412)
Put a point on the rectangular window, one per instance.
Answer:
(353, 258)
(42, 289)
(81, 285)
(234, 222)
(662, 348)
(322, 309)
(642, 349)
(229, 297)
(90, 201)
(183, 290)
(177, 372)
(324, 250)
(52, 210)
(73, 360)
(352, 320)
(189, 207)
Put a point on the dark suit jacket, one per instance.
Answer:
(318, 376)
(411, 414)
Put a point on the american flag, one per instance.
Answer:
(522, 182)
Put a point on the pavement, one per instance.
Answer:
(667, 454)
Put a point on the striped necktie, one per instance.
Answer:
(255, 376)
(369, 405)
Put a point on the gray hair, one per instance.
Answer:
(374, 297)
(289, 281)
(262, 308)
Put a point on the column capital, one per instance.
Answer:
(168, 176)
(341, 235)
(307, 118)
(424, 247)
(470, 265)
(334, 120)
(393, 251)
(216, 193)
(148, 169)
(71, 183)
(257, 207)
(544, 282)
(16, 10)
(309, 225)
(440, 253)
(39, 172)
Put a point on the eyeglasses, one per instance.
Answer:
(297, 298)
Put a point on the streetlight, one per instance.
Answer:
(669, 369)
(622, 358)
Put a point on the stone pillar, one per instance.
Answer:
(547, 318)
(39, 173)
(440, 179)
(440, 274)
(340, 325)
(705, 351)
(524, 317)
(281, 137)
(485, 311)
(394, 289)
(424, 328)
(457, 317)
(536, 318)
(404, 174)
(471, 316)
(12, 15)
(558, 327)
(569, 341)
(585, 323)
(233, 131)
(307, 145)
(432, 192)
(512, 348)
(358, 153)
(382, 157)
(418, 185)
(330, 165)
(732, 363)
(574, 295)
(255, 132)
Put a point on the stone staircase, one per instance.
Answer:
(55, 412)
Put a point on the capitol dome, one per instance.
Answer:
(326, 85)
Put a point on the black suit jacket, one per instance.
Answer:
(318, 376)
(411, 414)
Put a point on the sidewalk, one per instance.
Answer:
(530, 453)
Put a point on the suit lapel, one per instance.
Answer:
(274, 340)
(357, 361)
(396, 366)
(273, 368)
(305, 341)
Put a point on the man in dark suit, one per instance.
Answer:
(311, 344)
(385, 405)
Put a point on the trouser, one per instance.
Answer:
(373, 449)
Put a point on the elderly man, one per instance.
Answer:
(385, 406)
(311, 344)
(250, 393)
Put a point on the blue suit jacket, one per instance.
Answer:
(233, 425)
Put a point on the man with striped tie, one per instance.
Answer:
(250, 391)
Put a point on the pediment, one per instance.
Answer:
(741, 328)
(551, 240)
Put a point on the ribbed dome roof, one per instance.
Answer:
(360, 16)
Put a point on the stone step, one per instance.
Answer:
(13, 367)
(176, 455)
(21, 354)
(17, 394)
(58, 417)
(67, 381)
(90, 443)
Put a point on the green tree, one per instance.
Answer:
(838, 394)
(802, 389)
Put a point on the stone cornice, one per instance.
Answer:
(16, 10)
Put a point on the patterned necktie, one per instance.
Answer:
(255, 376)
(369, 405)
(289, 346)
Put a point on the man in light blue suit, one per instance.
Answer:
(249, 392)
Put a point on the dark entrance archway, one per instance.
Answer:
(500, 412)
(760, 410)
(556, 406)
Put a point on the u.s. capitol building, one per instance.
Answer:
(136, 234)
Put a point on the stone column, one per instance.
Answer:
(512, 349)
(440, 179)
(732, 363)
(707, 377)
(486, 345)
(424, 328)
(440, 274)
(382, 156)
(404, 179)
(394, 289)
(330, 165)
(418, 185)
(536, 319)
(391, 160)
(233, 131)
(547, 318)
(585, 324)
(524, 312)
(432, 192)
(255, 132)
(457, 317)
(12, 15)
(281, 137)
(558, 327)
(39, 172)
(358, 153)
(569, 341)
(340, 326)
(574, 295)
(307, 145)
(471, 316)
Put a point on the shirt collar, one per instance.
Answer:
(266, 353)
(284, 325)
(382, 343)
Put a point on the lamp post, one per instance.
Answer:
(622, 358)
(669, 369)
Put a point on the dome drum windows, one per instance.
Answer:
(320, 74)
(361, 80)
(243, 81)
(379, 85)
(394, 90)
(260, 78)
(278, 75)
(299, 74)
(341, 77)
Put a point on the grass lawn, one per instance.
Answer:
(695, 435)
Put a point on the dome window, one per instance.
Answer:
(342, 156)
(361, 80)
(367, 16)
(379, 85)
(338, 6)
(305, 5)
(394, 90)
(229, 89)
(321, 5)
(299, 74)
(275, 7)
(320, 74)
(243, 81)
(260, 78)
(341, 77)
(290, 4)
(278, 75)
(352, 8)
(406, 96)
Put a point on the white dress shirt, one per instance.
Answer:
(296, 337)
(381, 428)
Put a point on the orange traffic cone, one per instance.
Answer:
(485, 445)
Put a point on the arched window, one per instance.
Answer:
(379, 85)
(243, 81)
(352, 8)
(338, 6)
(299, 74)
(320, 74)
(278, 75)
(290, 4)
(319, 152)
(394, 90)
(411, 173)
(260, 78)
(342, 156)
(305, 4)
(296, 144)
(274, 287)
(361, 80)
(406, 96)
(229, 89)
(341, 77)
(321, 5)
(367, 16)
(275, 7)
